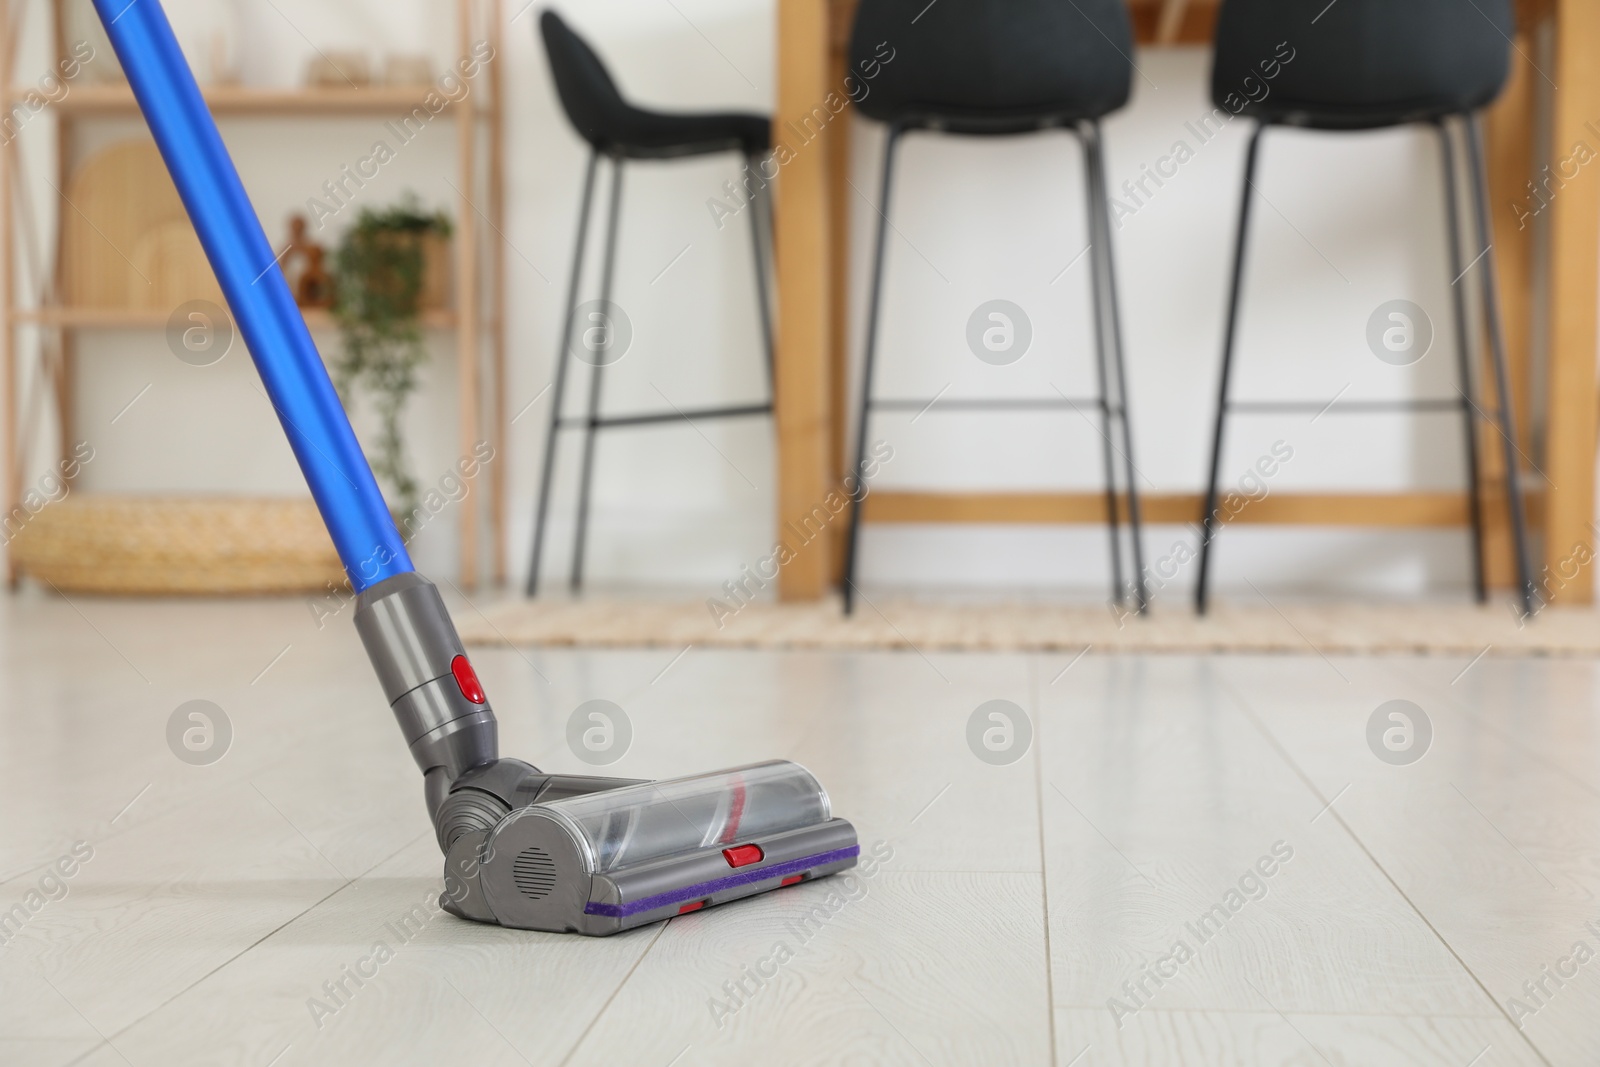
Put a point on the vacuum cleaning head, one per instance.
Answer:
(609, 859)
(574, 853)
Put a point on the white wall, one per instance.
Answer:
(1353, 221)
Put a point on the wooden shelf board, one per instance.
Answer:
(241, 100)
(138, 319)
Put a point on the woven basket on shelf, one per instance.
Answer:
(178, 545)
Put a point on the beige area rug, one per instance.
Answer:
(904, 623)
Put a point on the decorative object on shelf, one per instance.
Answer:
(224, 62)
(138, 545)
(315, 288)
(80, 23)
(209, 32)
(304, 265)
(339, 70)
(124, 200)
(212, 36)
(381, 279)
(296, 254)
(406, 68)
(171, 257)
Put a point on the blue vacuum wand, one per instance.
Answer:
(522, 848)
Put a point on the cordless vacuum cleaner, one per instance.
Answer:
(522, 848)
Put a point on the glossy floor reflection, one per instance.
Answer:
(1159, 860)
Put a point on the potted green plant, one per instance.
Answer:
(380, 275)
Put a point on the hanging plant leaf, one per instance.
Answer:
(378, 275)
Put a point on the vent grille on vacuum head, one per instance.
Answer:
(534, 872)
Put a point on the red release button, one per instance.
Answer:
(743, 855)
(467, 680)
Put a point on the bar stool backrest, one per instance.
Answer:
(1357, 64)
(592, 101)
(987, 66)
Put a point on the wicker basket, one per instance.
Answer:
(178, 546)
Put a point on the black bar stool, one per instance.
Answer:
(620, 132)
(980, 68)
(1364, 65)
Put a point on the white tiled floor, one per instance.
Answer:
(1414, 904)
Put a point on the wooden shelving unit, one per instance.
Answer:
(477, 320)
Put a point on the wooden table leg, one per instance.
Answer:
(497, 297)
(1574, 291)
(1509, 126)
(1170, 24)
(10, 479)
(802, 214)
(468, 305)
(839, 213)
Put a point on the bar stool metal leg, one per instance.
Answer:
(1097, 242)
(1106, 272)
(1208, 518)
(864, 410)
(1497, 348)
(592, 425)
(1469, 403)
(563, 354)
(760, 243)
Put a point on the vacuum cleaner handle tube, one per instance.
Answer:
(408, 634)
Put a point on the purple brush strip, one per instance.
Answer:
(705, 889)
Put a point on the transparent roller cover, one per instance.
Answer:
(647, 822)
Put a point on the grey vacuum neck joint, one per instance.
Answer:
(427, 680)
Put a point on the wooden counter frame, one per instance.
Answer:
(812, 210)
